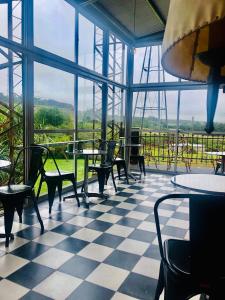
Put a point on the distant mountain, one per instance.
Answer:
(53, 103)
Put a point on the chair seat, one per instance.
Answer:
(177, 253)
(56, 174)
(14, 189)
(99, 166)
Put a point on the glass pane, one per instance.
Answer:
(89, 108)
(116, 59)
(54, 27)
(4, 20)
(147, 66)
(53, 98)
(90, 45)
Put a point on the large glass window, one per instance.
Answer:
(147, 66)
(53, 98)
(54, 27)
(90, 45)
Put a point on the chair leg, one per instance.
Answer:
(101, 181)
(34, 199)
(75, 191)
(143, 165)
(19, 209)
(39, 188)
(161, 283)
(60, 190)
(51, 194)
(118, 170)
(125, 172)
(113, 179)
(8, 220)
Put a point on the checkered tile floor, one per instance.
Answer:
(107, 252)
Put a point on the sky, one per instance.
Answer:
(54, 24)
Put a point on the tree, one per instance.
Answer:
(49, 116)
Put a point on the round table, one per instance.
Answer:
(86, 153)
(203, 183)
(4, 163)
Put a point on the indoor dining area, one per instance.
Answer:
(112, 149)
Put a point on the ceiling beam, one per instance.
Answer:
(157, 12)
(149, 40)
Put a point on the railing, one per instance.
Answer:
(164, 149)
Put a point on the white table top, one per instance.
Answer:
(218, 153)
(4, 163)
(204, 183)
(89, 152)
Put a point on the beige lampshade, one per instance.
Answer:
(193, 26)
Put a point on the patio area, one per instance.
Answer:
(107, 252)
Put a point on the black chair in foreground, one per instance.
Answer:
(195, 266)
(13, 195)
(55, 179)
(104, 169)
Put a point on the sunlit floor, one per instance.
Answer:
(107, 252)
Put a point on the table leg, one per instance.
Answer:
(223, 164)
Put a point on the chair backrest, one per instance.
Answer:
(111, 146)
(35, 154)
(207, 226)
(135, 139)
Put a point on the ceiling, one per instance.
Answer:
(142, 21)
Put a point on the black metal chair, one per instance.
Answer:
(195, 266)
(105, 168)
(120, 163)
(55, 179)
(135, 156)
(13, 195)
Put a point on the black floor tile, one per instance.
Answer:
(27, 219)
(139, 286)
(79, 266)
(109, 240)
(130, 222)
(125, 194)
(122, 260)
(162, 220)
(153, 252)
(89, 291)
(144, 209)
(91, 214)
(30, 275)
(62, 216)
(181, 216)
(72, 245)
(174, 231)
(99, 225)
(119, 211)
(66, 229)
(34, 296)
(142, 235)
(30, 250)
(110, 202)
(135, 187)
(133, 201)
(29, 233)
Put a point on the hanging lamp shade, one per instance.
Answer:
(194, 46)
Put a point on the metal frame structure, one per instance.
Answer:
(105, 48)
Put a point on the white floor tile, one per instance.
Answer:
(96, 252)
(137, 215)
(58, 285)
(108, 276)
(86, 234)
(147, 267)
(50, 238)
(133, 246)
(120, 230)
(109, 218)
(53, 258)
(11, 291)
(80, 221)
(10, 263)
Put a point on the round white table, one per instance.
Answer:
(86, 153)
(203, 183)
(4, 163)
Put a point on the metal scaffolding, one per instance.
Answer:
(148, 103)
